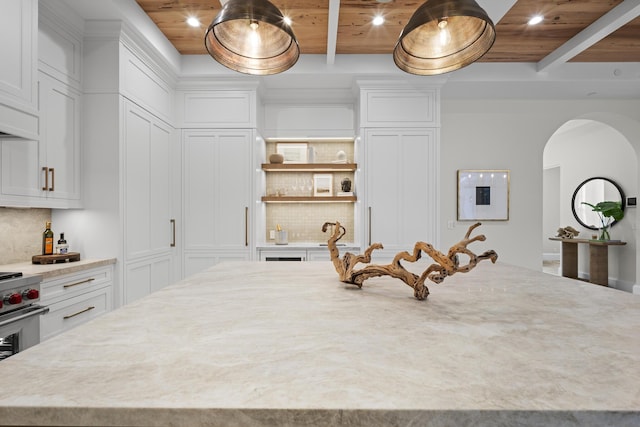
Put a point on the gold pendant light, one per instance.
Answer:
(443, 36)
(252, 37)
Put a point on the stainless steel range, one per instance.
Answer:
(19, 311)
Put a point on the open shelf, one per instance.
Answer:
(309, 167)
(308, 199)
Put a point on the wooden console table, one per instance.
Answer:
(598, 258)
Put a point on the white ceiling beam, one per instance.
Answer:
(332, 30)
(620, 15)
(496, 9)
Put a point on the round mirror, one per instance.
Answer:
(594, 191)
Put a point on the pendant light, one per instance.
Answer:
(252, 37)
(443, 36)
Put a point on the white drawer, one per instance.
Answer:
(72, 312)
(67, 286)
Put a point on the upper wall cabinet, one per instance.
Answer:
(59, 45)
(60, 138)
(114, 63)
(146, 84)
(45, 173)
(216, 109)
(408, 108)
(18, 50)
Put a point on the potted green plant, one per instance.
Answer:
(608, 212)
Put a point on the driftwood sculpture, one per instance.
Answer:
(568, 232)
(445, 265)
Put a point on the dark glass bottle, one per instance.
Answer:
(47, 240)
(62, 245)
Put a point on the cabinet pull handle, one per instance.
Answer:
(70, 285)
(80, 312)
(53, 179)
(173, 233)
(246, 226)
(46, 178)
(369, 225)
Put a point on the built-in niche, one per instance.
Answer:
(291, 200)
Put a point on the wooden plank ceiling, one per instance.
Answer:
(354, 33)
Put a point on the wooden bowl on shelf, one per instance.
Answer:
(276, 158)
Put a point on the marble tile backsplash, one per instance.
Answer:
(303, 221)
(21, 233)
(301, 183)
(325, 152)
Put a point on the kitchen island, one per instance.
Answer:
(287, 344)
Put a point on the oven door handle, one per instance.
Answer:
(33, 310)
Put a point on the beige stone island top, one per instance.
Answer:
(49, 271)
(286, 344)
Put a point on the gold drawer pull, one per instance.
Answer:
(79, 283)
(80, 312)
(53, 179)
(46, 178)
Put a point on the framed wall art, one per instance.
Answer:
(293, 152)
(323, 184)
(483, 195)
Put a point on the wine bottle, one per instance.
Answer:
(47, 240)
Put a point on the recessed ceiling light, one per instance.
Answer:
(384, 1)
(378, 20)
(193, 21)
(536, 20)
(287, 20)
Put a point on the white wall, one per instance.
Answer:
(295, 119)
(551, 210)
(512, 134)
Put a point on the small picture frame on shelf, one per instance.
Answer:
(483, 195)
(293, 152)
(322, 185)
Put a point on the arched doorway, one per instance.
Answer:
(583, 148)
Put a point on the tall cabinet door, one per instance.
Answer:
(147, 202)
(60, 114)
(217, 194)
(401, 190)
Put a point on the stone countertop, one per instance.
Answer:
(49, 271)
(287, 344)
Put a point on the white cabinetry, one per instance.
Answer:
(401, 177)
(18, 50)
(400, 128)
(60, 139)
(20, 171)
(46, 172)
(74, 299)
(149, 233)
(216, 196)
(130, 163)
